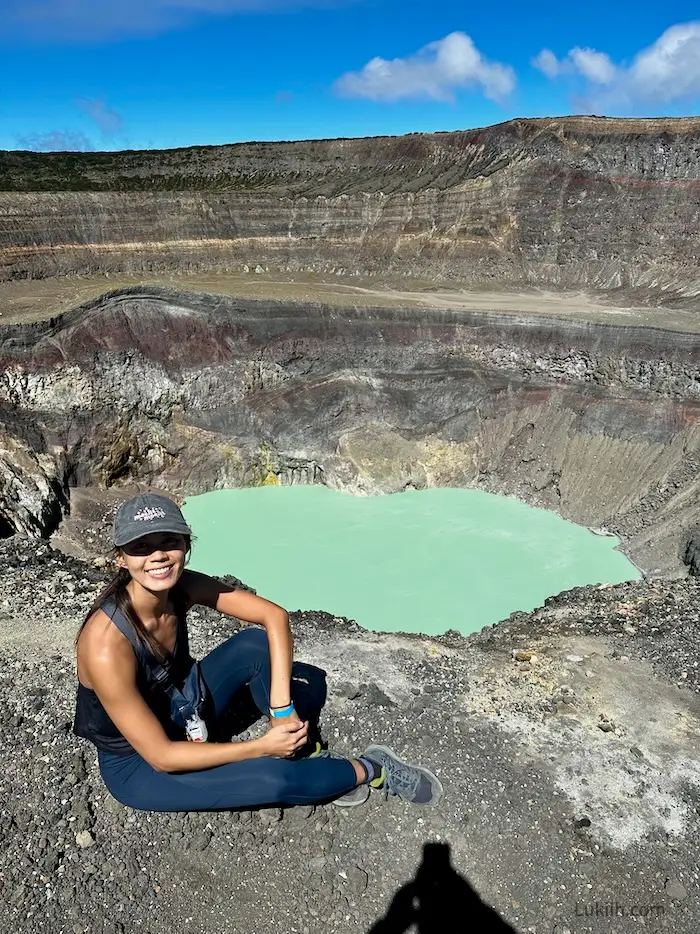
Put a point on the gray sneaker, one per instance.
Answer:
(357, 795)
(413, 783)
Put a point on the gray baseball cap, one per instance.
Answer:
(146, 513)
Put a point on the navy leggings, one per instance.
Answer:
(240, 660)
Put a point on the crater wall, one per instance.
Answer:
(571, 203)
(193, 392)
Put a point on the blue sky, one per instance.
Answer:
(118, 74)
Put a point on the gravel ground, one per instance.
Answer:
(567, 741)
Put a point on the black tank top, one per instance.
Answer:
(91, 719)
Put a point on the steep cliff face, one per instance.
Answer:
(33, 483)
(572, 202)
(194, 392)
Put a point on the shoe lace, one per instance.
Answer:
(400, 780)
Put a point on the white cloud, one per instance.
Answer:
(670, 68)
(666, 71)
(548, 63)
(596, 66)
(434, 72)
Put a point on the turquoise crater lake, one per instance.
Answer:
(420, 561)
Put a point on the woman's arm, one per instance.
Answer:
(208, 591)
(111, 668)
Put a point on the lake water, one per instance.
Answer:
(420, 561)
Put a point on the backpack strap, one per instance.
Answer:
(181, 704)
(147, 658)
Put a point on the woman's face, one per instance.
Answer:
(154, 561)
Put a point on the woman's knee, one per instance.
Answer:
(254, 645)
(250, 646)
(253, 640)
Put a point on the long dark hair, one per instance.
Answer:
(116, 590)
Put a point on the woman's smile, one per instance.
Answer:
(161, 573)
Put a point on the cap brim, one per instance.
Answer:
(172, 527)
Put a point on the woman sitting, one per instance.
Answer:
(134, 640)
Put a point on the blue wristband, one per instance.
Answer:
(284, 712)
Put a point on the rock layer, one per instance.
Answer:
(194, 392)
(571, 202)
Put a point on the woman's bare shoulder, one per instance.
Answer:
(101, 648)
(100, 637)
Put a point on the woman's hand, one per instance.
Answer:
(284, 739)
(292, 719)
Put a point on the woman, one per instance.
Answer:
(145, 759)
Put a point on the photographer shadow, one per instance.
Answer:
(439, 901)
